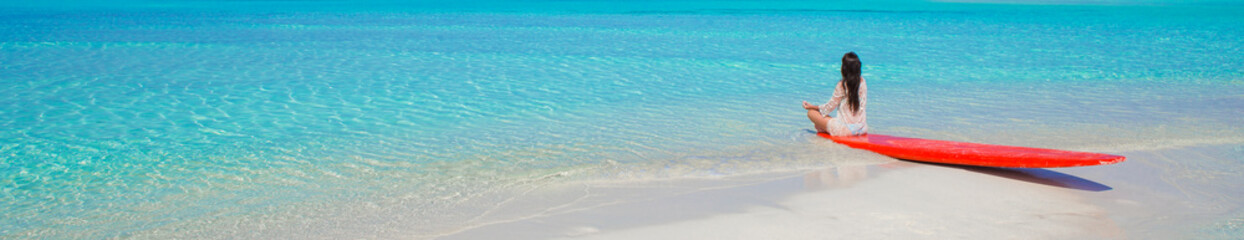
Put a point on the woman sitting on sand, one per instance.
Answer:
(851, 120)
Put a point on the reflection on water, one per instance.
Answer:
(835, 177)
(845, 176)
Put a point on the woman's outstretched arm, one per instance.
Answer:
(840, 92)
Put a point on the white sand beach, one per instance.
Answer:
(1141, 198)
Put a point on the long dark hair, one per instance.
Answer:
(851, 77)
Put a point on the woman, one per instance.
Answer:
(851, 120)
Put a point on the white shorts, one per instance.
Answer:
(837, 127)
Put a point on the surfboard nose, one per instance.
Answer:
(1114, 159)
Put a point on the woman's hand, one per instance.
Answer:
(809, 106)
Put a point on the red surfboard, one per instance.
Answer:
(974, 154)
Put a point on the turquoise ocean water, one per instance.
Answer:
(236, 118)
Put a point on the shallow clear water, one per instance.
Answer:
(206, 118)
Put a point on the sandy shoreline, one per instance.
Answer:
(1145, 197)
